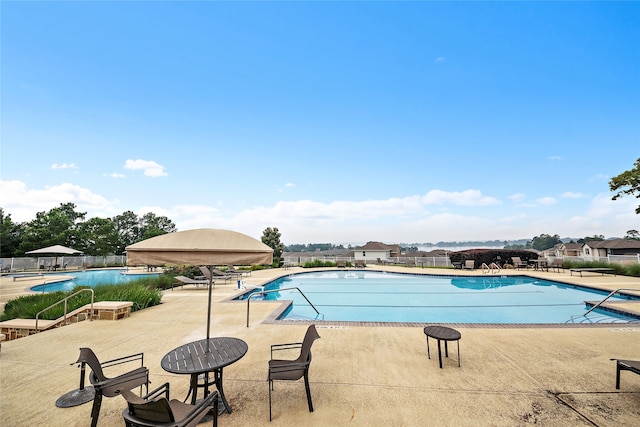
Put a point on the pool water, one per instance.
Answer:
(90, 278)
(387, 297)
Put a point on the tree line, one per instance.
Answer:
(65, 225)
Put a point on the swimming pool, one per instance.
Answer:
(89, 278)
(373, 296)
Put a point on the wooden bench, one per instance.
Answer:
(27, 276)
(603, 271)
(102, 310)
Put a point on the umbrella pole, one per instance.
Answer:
(209, 309)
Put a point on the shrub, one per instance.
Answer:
(487, 256)
(318, 263)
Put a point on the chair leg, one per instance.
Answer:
(95, 409)
(617, 375)
(306, 385)
(270, 387)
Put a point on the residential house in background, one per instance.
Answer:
(371, 251)
(595, 249)
(604, 248)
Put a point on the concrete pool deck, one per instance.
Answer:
(360, 376)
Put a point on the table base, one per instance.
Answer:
(76, 397)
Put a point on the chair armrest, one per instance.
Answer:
(287, 346)
(124, 359)
(210, 400)
(156, 392)
(129, 380)
(293, 366)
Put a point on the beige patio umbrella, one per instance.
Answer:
(204, 246)
(54, 250)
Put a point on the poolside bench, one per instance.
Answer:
(603, 271)
(27, 275)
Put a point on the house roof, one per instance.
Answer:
(377, 246)
(573, 246)
(615, 244)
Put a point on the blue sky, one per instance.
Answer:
(337, 122)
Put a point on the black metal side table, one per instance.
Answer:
(442, 333)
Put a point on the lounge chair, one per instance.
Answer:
(600, 270)
(154, 409)
(293, 370)
(216, 274)
(626, 365)
(184, 280)
(557, 264)
(111, 387)
(341, 264)
(233, 270)
(359, 263)
(469, 264)
(517, 263)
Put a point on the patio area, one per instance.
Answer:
(360, 376)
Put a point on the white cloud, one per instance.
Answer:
(64, 166)
(115, 175)
(149, 167)
(555, 158)
(546, 201)
(517, 198)
(23, 203)
(460, 198)
(572, 195)
(440, 59)
(289, 185)
(393, 220)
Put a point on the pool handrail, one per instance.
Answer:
(606, 298)
(278, 290)
(65, 306)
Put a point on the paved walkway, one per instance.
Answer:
(360, 376)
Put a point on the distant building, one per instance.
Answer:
(371, 251)
(604, 248)
(595, 248)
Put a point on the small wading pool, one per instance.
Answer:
(90, 278)
(373, 296)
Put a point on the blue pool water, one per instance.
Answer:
(387, 297)
(89, 278)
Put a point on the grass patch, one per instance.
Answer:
(145, 292)
(632, 270)
(318, 263)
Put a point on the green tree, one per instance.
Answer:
(56, 227)
(152, 225)
(632, 235)
(128, 230)
(271, 238)
(10, 235)
(627, 183)
(594, 238)
(98, 236)
(545, 241)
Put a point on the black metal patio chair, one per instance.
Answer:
(293, 370)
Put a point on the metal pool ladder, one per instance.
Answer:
(278, 290)
(492, 268)
(606, 298)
